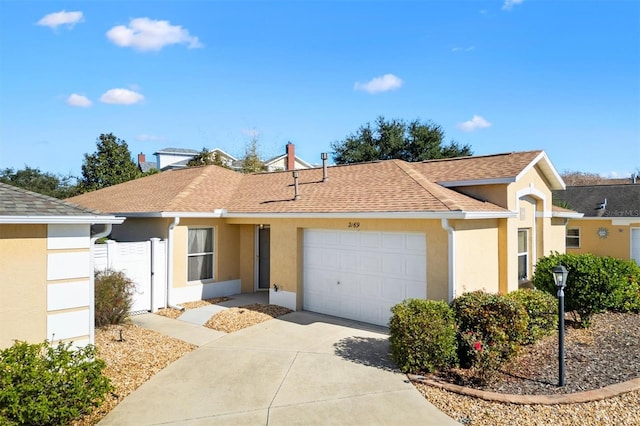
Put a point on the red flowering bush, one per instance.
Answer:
(491, 328)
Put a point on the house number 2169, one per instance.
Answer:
(354, 225)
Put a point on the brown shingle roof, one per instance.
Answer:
(385, 186)
(197, 189)
(487, 167)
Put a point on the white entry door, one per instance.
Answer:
(635, 244)
(360, 275)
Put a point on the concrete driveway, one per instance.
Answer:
(302, 368)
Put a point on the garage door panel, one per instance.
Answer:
(416, 243)
(393, 241)
(370, 263)
(349, 261)
(414, 267)
(635, 244)
(376, 270)
(393, 264)
(370, 240)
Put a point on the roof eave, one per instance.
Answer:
(161, 214)
(550, 172)
(379, 215)
(40, 220)
(567, 215)
(476, 182)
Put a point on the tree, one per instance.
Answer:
(207, 158)
(251, 162)
(110, 165)
(32, 179)
(396, 139)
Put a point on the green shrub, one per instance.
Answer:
(491, 328)
(44, 385)
(542, 309)
(113, 297)
(422, 336)
(594, 284)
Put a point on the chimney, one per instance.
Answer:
(141, 158)
(325, 176)
(295, 185)
(291, 156)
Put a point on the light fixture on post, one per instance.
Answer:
(560, 278)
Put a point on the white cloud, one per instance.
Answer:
(380, 84)
(508, 4)
(475, 123)
(463, 49)
(78, 101)
(149, 138)
(147, 34)
(252, 133)
(121, 96)
(53, 20)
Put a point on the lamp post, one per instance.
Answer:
(560, 278)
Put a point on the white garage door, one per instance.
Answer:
(360, 275)
(635, 244)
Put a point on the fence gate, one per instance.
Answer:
(143, 262)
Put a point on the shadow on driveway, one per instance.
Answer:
(369, 351)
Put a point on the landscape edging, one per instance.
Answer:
(568, 398)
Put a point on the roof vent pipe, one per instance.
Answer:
(324, 157)
(295, 185)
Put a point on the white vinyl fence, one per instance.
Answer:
(144, 263)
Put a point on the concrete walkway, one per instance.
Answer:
(302, 368)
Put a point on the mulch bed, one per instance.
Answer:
(175, 313)
(606, 353)
(234, 319)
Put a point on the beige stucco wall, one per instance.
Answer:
(477, 263)
(545, 233)
(618, 241)
(556, 237)
(226, 249)
(23, 283)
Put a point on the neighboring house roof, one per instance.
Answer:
(179, 151)
(18, 205)
(602, 200)
(490, 169)
(381, 187)
(146, 166)
(299, 160)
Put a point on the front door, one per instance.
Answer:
(263, 250)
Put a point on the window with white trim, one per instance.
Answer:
(200, 254)
(523, 254)
(572, 239)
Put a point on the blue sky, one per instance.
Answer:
(562, 76)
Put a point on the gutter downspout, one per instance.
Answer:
(172, 225)
(452, 259)
(92, 280)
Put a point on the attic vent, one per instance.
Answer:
(295, 185)
(324, 157)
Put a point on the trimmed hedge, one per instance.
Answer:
(594, 284)
(542, 309)
(491, 328)
(44, 385)
(422, 336)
